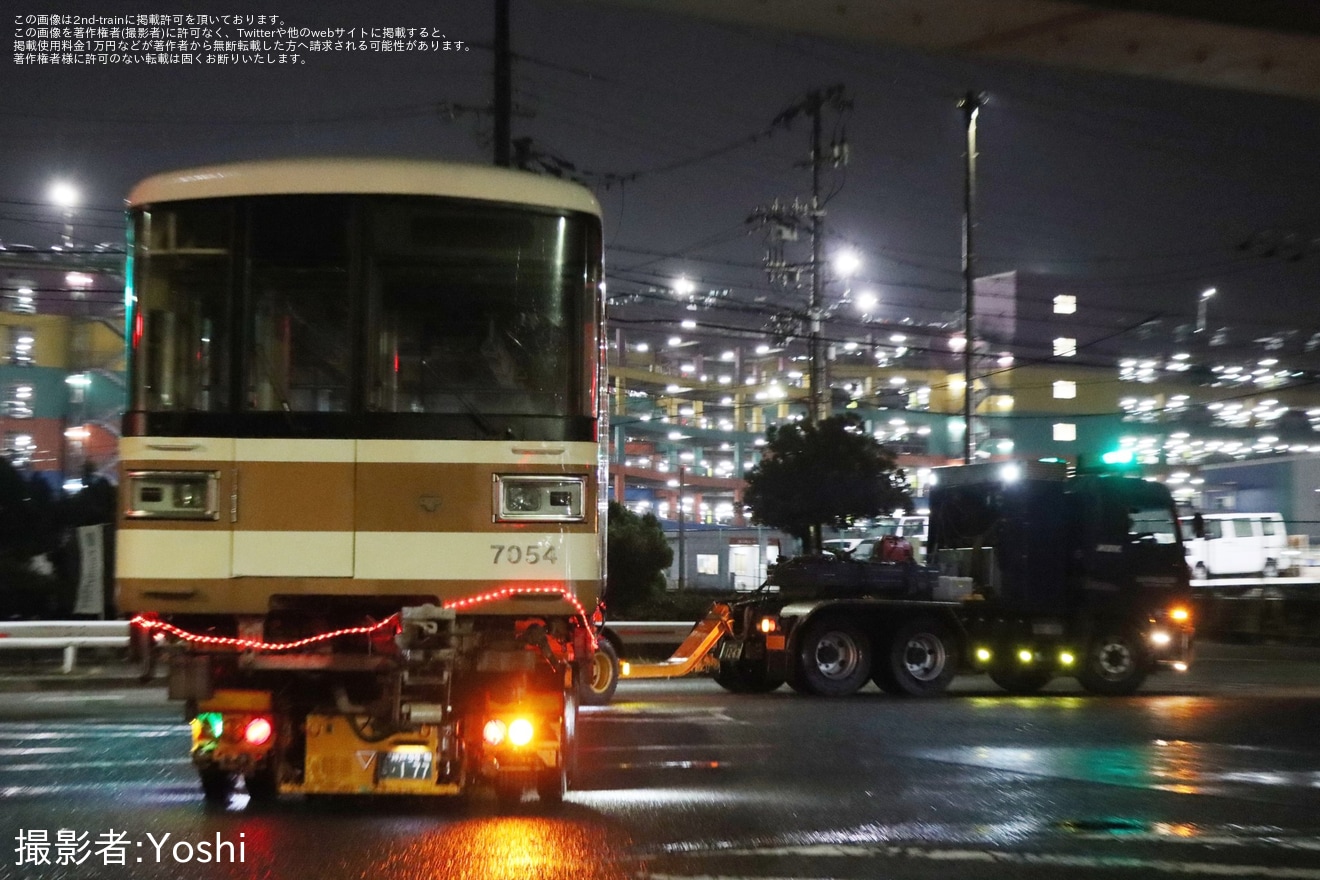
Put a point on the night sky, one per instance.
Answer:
(1142, 193)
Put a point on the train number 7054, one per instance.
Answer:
(531, 554)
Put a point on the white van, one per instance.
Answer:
(1236, 543)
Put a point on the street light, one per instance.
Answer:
(65, 197)
(847, 262)
(1201, 308)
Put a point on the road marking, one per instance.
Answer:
(1001, 857)
(91, 765)
(73, 698)
(35, 750)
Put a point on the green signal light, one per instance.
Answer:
(1118, 456)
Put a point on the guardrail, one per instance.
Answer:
(639, 632)
(1283, 607)
(68, 635)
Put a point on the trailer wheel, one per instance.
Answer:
(509, 791)
(551, 785)
(737, 677)
(834, 658)
(1200, 572)
(262, 786)
(1021, 681)
(1271, 569)
(1115, 664)
(921, 660)
(596, 688)
(217, 784)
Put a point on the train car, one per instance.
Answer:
(362, 472)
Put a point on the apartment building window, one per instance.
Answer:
(1065, 304)
(1065, 432)
(1065, 346)
(21, 301)
(17, 448)
(1065, 389)
(18, 351)
(17, 401)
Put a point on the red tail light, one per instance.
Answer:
(258, 731)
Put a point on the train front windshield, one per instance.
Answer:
(358, 305)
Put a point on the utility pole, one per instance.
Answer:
(503, 103)
(682, 548)
(817, 372)
(785, 221)
(970, 104)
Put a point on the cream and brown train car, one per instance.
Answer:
(360, 384)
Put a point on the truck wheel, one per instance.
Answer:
(596, 687)
(551, 785)
(509, 793)
(1200, 572)
(1021, 681)
(1115, 664)
(737, 677)
(1271, 569)
(262, 786)
(922, 658)
(217, 784)
(834, 658)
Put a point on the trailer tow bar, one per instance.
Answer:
(695, 650)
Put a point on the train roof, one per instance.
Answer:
(366, 176)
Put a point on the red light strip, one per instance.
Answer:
(151, 624)
(510, 592)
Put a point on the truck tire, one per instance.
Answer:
(1021, 681)
(739, 677)
(1115, 664)
(834, 658)
(596, 686)
(921, 659)
(551, 784)
(262, 786)
(509, 790)
(217, 784)
(1271, 568)
(1200, 572)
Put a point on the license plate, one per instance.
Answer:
(404, 764)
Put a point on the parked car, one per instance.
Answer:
(1236, 544)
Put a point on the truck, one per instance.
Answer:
(362, 472)
(1033, 572)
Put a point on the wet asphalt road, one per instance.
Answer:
(1213, 774)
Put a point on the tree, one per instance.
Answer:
(831, 473)
(638, 556)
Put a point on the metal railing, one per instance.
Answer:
(67, 635)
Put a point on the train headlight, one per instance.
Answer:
(173, 495)
(543, 499)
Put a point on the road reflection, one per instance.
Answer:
(516, 848)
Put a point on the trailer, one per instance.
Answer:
(1032, 573)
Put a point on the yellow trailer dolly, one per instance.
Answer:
(695, 652)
